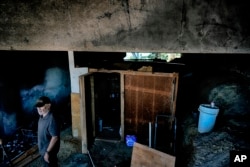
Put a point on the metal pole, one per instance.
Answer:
(91, 159)
(150, 132)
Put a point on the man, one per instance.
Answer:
(48, 133)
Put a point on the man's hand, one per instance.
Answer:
(46, 157)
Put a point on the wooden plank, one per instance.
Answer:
(83, 115)
(143, 156)
(92, 88)
(122, 106)
(175, 90)
(26, 154)
(75, 114)
(26, 157)
(173, 74)
(149, 90)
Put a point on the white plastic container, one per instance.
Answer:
(207, 117)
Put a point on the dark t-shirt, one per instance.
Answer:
(48, 126)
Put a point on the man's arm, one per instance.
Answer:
(52, 143)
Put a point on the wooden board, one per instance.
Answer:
(75, 114)
(146, 96)
(143, 156)
(27, 157)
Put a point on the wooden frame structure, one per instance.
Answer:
(143, 95)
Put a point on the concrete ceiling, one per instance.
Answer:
(186, 26)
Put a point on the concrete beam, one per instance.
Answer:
(184, 26)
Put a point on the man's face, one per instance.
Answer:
(43, 110)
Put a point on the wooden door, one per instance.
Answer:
(100, 99)
(86, 111)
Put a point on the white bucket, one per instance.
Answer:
(207, 117)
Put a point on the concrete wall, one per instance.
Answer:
(186, 26)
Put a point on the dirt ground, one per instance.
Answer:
(102, 154)
(107, 154)
(213, 148)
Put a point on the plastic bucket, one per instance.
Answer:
(207, 117)
(130, 140)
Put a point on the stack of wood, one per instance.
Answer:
(27, 157)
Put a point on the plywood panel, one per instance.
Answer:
(147, 95)
(143, 156)
(75, 114)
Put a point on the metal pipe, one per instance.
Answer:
(91, 159)
(150, 132)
